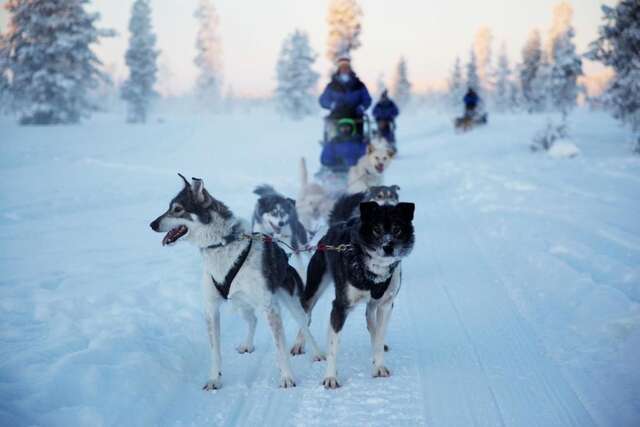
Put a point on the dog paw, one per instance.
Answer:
(320, 357)
(331, 383)
(386, 347)
(287, 382)
(297, 349)
(212, 385)
(381, 372)
(245, 349)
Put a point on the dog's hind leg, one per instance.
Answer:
(212, 313)
(249, 315)
(275, 322)
(295, 308)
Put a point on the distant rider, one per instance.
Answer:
(471, 101)
(385, 112)
(345, 95)
(345, 148)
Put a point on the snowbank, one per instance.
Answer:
(563, 148)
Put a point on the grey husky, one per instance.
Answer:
(254, 274)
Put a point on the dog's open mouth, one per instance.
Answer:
(276, 228)
(380, 167)
(174, 234)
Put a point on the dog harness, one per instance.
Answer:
(224, 287)
(378, 289)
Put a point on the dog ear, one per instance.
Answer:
(406, 210)
(391, 154)
(186, 183)
(395, 187)
(367, 210)
(293, 202)
(197, 189)
(370, 148)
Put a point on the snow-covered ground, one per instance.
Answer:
(520, 304)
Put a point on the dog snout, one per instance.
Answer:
(388, 249)
(155, 225)
(281, 224)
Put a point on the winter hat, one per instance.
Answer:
(343, 57)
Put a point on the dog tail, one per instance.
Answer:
(264, 190)
(304, 175)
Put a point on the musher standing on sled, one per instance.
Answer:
(471, 100)
(348, 99)
(385, 112)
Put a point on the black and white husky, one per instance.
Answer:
(348, 206)
(254, 275)
(367, 272)
(276, 216)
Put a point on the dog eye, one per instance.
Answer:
(177, 209)
(396, 230)
(377, 230)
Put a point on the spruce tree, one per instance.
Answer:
(5, 98)
(209, 56)
(344, 21)
(456, 84)
(529, 69)
(401, 84)
(141, 60)
(618, 46)
(473, 81)
(503, 95)
(52, 66)
(295, 92)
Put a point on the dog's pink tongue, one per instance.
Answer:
(380, 168)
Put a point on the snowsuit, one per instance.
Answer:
(471, 100)
(343, 151)
(386, 110)
(350, 99)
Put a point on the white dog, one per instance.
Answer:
(369, 170)
(314, 203)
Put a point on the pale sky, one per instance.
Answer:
(428, 33)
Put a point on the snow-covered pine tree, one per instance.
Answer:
(541, 86)
(503, 88)
(295, 92)
(483, 52)
(401, 85)
(566, 65)
(473, 81)
(618, 46)
(52, 66)
(141, 57)
(344, 27)
(5, 98)
(531, 61)
(209, 56)
(565, 70)
(456, 85)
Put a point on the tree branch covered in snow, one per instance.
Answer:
(209, 55)
(344, 27)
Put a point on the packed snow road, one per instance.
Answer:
(519, 306)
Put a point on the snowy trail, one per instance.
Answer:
(519, 306)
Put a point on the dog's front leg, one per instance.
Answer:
(383, 314)
(275, 322)
(370, 315)
(338, 317)
(212, 314)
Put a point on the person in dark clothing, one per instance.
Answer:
(385, 112)
(345, 149)
(345, 95)
(471, 100)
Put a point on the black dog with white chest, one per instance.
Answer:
(366, 270)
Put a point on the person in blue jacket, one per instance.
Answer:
(385, 112)
(345, 95)
(345, 149)
(471, 100)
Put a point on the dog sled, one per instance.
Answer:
(469, 121)
(341, 149)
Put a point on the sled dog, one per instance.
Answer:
(313, 203)
(253, 274)
(370, 168)
(348, 206)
